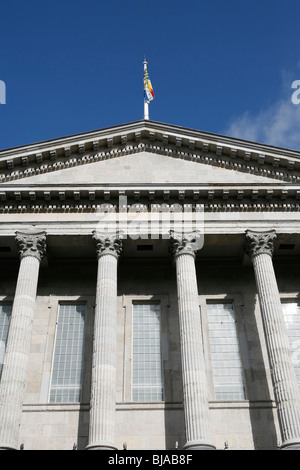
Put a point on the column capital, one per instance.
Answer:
(31, 244)
(185, 243)
(260, 242)
(108, 243)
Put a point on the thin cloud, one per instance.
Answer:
(279, 125)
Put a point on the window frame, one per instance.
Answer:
(127, 304)
(237, 302)
(285, 299)
(134, 389)
(53, 303)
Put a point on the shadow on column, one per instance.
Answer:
(84, 413)
(174, 426)
(261, 411)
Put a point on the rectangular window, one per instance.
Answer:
(225, 354)
(68, 354)
(147, 374)
(5, 313)
(291, 313)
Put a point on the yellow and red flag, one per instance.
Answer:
(148, 90)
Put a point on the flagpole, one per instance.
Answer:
(146, 105)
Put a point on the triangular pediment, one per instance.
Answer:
(148, 153)
(143, 168)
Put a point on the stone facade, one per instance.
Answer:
(149, 213)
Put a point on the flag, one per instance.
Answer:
(148, 90)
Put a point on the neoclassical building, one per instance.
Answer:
(149, 292)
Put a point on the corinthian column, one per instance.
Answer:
(103, 387)
(259, 246)
(32, 247)
(195, 390)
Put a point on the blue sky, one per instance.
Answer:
(221, 66)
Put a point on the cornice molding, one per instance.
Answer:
(42, 199)
(209, 149)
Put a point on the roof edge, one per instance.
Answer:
(147, 124)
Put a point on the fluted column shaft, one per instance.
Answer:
(195, 389)
(13, 378)
(260, 248)
(103, 387)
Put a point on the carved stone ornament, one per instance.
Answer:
(108, 244)
(260, 242)
(31, 244)
(185, 243)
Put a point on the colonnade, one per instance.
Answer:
(259, 247)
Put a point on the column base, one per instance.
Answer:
(198, 445)
(100, 446)
(7, 447)
(291, 445)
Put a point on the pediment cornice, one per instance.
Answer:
(163, 139)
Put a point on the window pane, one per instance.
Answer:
(291, 312)
(68, 354)
(147, 382)
(225, 354)
(5, 313)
